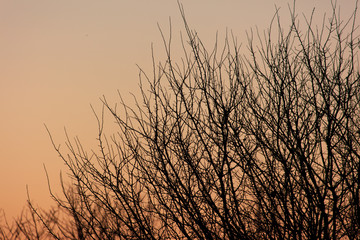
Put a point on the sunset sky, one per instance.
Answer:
(59, 56)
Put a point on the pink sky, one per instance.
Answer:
(58, 57)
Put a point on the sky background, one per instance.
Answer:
(58, 57)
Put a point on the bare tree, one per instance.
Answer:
(225, 145)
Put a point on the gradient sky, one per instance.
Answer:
(58, 57)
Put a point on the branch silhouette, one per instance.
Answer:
(224, 145)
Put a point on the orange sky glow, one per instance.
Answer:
(58, 57)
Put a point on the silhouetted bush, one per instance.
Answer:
(227, 145)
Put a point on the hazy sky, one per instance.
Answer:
(59, 56)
